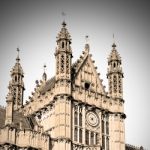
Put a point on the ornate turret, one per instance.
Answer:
(63, 54)
(16, 85)
(115, 73)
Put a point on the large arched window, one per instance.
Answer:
(76, 118)
(75, 134)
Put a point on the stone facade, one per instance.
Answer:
(70, 111)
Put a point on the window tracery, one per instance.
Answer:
(115, 83)
(57, 65)
(67, 64)
(120, 84)
(62, 63)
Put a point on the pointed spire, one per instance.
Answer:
(64, 24)
(17, 67)
(44, 74)
(114, 55)
(64, 34)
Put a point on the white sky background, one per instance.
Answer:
(33, 26)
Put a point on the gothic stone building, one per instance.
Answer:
(70, 111)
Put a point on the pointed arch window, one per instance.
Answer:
(62, 44)
(15, 78)
(114, 65)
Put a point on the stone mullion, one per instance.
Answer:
(65, 64)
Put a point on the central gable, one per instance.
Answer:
(86, 76)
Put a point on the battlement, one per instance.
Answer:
(24, 138)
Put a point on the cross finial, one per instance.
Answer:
(113, 38)
(44, 74)
(87, 47)
(87, 39)
(18, 59)
(44, 67)
(63, 15)
(114, 45)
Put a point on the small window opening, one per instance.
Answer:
(87, 86)
(15, 78)
(62, 44)
(114, 65)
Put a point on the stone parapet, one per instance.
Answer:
(24, 138)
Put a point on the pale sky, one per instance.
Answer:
(32, 25)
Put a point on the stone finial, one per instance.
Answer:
(87, 47)
(44, 77)
(18, 59)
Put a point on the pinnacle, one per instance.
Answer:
(114, 45)
(64, 24)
